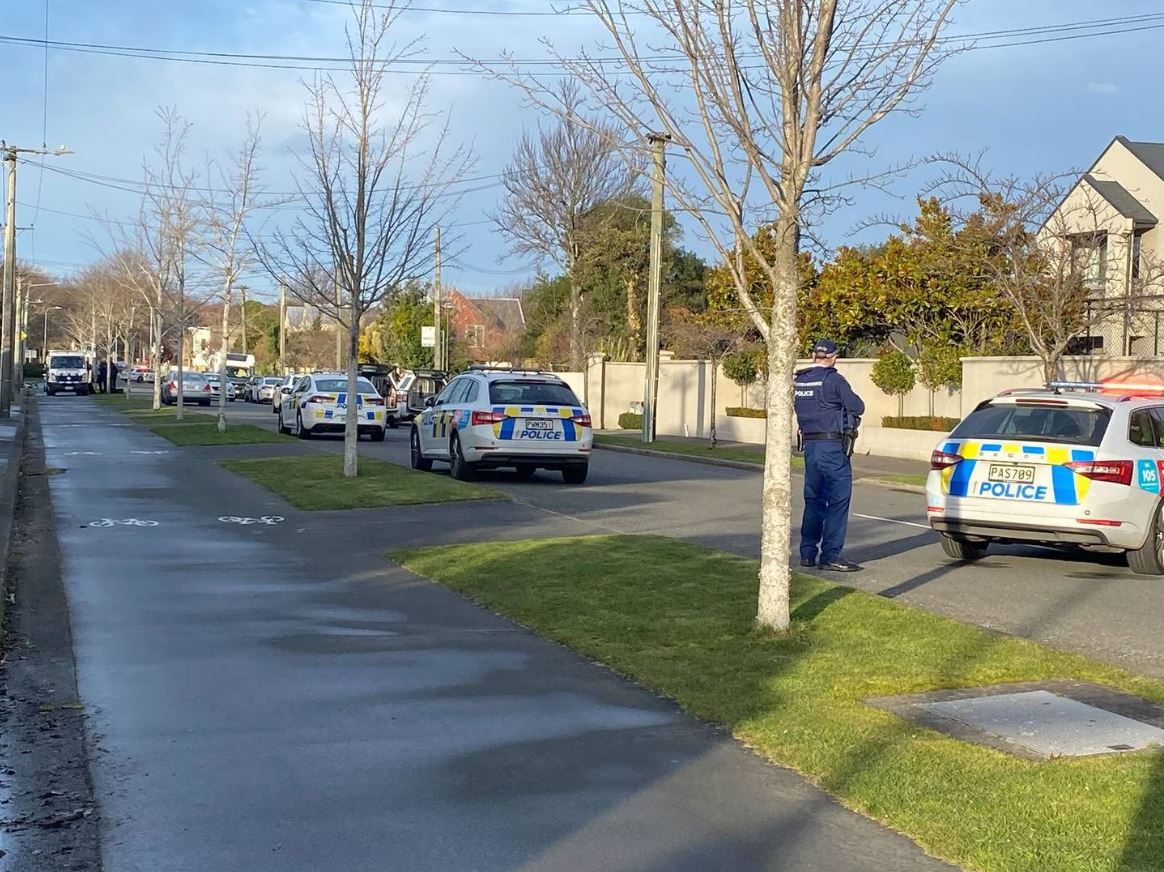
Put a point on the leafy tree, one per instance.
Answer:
(403, 314)
(744, 367)
(893, 373)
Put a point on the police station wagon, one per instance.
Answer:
(1077, 464)
(491, 418)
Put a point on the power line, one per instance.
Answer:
(567, 10)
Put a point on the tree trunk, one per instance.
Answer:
(1050, 368)
(180, 380)
(714, 379)
(634, 324)
(776, 502)
(223, 347)
(156, 351)
(575, 323)
(110, 382)
(351, 427)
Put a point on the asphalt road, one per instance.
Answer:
(1086, 602)
(281, 697)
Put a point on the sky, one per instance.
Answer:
(1043, 107)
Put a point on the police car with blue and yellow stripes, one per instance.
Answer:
(1076, 464)
(319, 403)
(490, 418)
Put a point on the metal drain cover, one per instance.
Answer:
(1048, 724)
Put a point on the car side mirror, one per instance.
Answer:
(284, 390)
(429, 402)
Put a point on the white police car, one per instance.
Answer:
(1076, 464)
(318, 403)
(490, 418)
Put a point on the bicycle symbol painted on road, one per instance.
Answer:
(124, 522)
(269, 520)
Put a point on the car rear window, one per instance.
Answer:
(272, 381)
(1072, 425)
(335, 385)
(530, 393)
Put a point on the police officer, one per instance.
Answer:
(828, 412)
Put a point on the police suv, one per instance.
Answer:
(1076, 464)
(319, 403)
(489, 418)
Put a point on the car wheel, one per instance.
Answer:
(962, 549)
(50, 392)
(459, 468)
(525, 471)
(378, 435)
(575, 474)
(301, 431)
(1149, 560)
(393, 423)
(282, 427)
(416, 459)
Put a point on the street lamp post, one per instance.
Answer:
(44, 342)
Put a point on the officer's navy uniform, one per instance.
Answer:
(825, 408)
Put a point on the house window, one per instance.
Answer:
(475, 335)
(1137, 238)
(1089, 251)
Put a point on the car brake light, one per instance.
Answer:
(1114, 471)
(581, 420)
(207, 389)
(943, 459)
(373, 401)
(319, 398)
(487, 418)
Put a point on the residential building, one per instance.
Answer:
(1110, 220)
(486, 329)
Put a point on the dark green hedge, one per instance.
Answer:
(744, 412)
(921, 422)
(630, 421)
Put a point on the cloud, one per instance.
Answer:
(1102, 88)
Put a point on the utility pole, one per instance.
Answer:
(658, 143)
(8, 321)
(438, 351)
(17, 333)
(282, 325)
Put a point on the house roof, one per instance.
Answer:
(1119, 198)
(1150, 154)
(505, 311)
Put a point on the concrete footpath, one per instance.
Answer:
(279, 696)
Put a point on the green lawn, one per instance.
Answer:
(678, 619)
(205, 432)
(918, 478)
(316, 483)
(693, 449)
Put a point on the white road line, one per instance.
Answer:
(891, 521)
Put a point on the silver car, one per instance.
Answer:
(195, 389)
(216, 387)
(264, 389)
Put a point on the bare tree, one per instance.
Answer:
(705, 338)
(373, 192)
(228, 210)
(556, 178)
(758, 96)
(1050, 255)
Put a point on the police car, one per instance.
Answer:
(319, 403)
(1077, 464)
(490, 418)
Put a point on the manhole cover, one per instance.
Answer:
(1048, 724)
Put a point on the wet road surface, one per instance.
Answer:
(280, 697)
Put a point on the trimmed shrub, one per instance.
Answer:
(630, 421)
(920, 422)
(744, 412)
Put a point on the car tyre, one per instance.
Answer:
(393, 423)
(416, 459)
(1149, 560)
(282, 427)
(575, 474)
(962, 549)
(377, 435)
(525, 471)
(301, 431)
(459, 468)
(50, 392)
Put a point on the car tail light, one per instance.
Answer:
(1114, 471)
(1099, 522)
(581, 420)
(943, 459)
(206, 389)
(487, 418)
(373, 401)
(319, 398)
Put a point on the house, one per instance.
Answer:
(1110, 218)
(486, 329)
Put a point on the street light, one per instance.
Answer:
(44, 343)
(22, 325)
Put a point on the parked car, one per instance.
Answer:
(487, 419)
(284, 387)
(215, 383)
(265, 388)
(416, 386)
(319, 403)
(195, 388)
(138, 374)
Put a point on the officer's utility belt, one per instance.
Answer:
(822, 437)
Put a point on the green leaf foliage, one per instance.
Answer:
(893, 373)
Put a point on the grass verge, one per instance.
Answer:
(918, 479)
(205, 432)
(693, 449)
(316, 483)
(678, 618)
